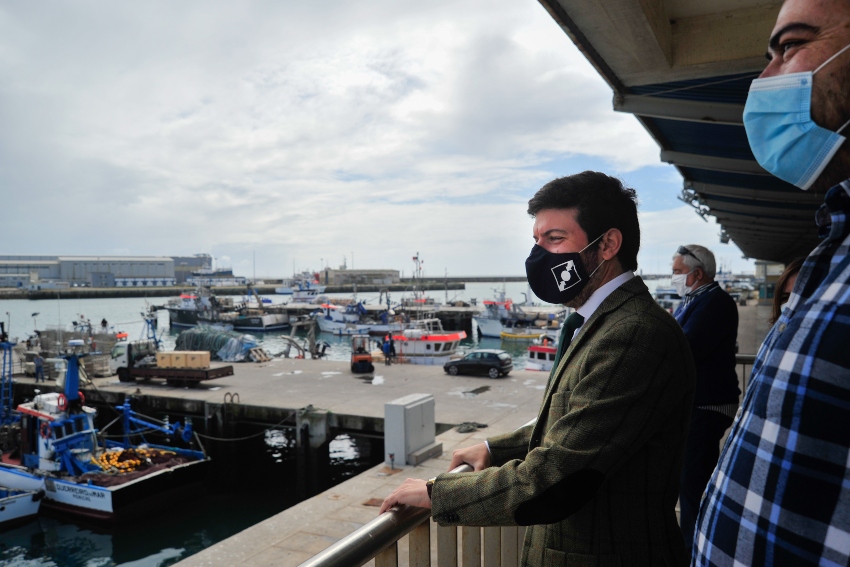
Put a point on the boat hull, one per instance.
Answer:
(261, 323)
(115, 504)
(488, 327)
(187, 318)
(341, 327)
(430, 348)
(18, 506)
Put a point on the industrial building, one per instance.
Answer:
(186, 266)
(345, 276)
(126, 271)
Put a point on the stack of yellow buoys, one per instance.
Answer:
(127, 460)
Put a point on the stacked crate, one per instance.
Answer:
(183, 359)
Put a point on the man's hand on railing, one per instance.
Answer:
(413, 493)
(476, 456)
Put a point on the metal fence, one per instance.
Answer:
(380, 538)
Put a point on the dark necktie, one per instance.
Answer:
(573, 322)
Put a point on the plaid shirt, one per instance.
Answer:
(780, 494)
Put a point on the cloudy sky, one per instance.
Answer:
(305, 133)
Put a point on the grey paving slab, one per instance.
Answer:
(293, 384)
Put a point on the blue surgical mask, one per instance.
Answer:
(783, 137)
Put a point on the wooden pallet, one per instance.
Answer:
(259, 354)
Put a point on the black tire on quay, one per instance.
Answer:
(493, 373)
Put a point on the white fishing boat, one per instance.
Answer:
(541, 355)
(341, 321)
(303, 282)
(18, 505)
(502, 318)
(427, 343)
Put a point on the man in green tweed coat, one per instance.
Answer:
(596, 478)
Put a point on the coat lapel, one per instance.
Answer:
(611, 303)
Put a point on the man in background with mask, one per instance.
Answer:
(709, 318)
(597, 476)
(780, 494)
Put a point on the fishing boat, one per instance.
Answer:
(423, 340)
(341, 320)
(249, 319)
(541, 355)
(204, 308)
(521, 331)
(427, 343)
(189, 309)
(388, 322)
(18, 505)
(502, 318)
(308, 294)
(118, 479)
(302, 282)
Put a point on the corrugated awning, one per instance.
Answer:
(683, 68)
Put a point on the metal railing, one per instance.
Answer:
(379, 540)
(744, 360)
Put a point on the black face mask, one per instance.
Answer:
(557, 278)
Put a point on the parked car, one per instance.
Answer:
(492, 362)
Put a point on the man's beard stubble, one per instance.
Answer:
(830, 109)
(588, 258)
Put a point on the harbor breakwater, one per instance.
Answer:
(171, 291)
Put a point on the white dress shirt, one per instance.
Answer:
(598, 296)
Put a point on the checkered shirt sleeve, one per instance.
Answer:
(780, 494)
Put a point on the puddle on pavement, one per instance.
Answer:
(476, 391)
(369, 379)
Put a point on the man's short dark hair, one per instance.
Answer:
(602, 203)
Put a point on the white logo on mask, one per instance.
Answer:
(566, 275)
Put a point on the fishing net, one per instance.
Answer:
(226, 345)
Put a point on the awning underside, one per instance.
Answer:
(683, 68)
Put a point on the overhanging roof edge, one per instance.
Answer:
(675, 109)
(583, 44)
(698, 161)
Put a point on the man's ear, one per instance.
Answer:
(609, 244)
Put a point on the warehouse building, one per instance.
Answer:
(87, 270)
(345, 276)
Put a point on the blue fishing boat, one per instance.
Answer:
(90, 473)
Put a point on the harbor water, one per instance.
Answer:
(251, 480)
(125, 314)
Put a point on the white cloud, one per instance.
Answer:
(296, 130)
(662, 232)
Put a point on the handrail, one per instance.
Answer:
(363, 544)
(745, 358)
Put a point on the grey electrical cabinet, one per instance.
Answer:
(409, 430)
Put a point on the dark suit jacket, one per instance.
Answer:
(597, 476)
(710, 323)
